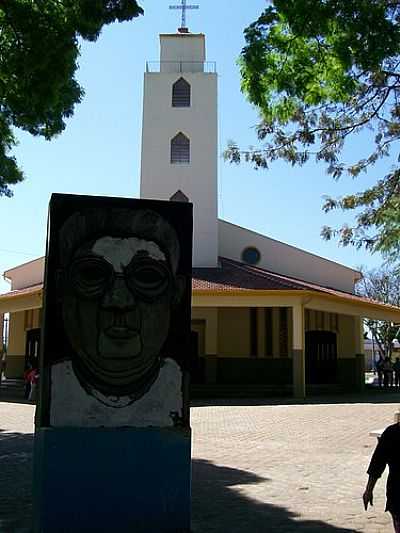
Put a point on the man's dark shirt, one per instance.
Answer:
(387, 452)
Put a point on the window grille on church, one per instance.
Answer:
(181, 93)
(180, 149)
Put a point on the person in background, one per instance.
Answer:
(27, 381)
(387, 373)
(386, 454)
(396, 368)
(34, 379)
(379, 370)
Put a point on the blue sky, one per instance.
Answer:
(99, 152)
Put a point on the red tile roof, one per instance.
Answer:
(233, 276)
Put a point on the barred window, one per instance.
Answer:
(180, 149)
(181, 93)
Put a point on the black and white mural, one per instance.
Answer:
(117, 313)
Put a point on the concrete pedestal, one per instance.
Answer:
(101, 480)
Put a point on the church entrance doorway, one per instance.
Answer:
(32, 347)
(321, 357)
(197, 346)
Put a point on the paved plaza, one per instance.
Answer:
(264, 466)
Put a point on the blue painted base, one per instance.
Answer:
(103, 480)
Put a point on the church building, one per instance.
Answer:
(266, 317)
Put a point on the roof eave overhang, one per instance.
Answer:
(12, 303)
(244, 298)
(317, 300)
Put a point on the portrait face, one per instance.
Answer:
(117, 300)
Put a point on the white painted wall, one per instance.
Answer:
(182, 50)
(284, 259)
(275, 256)
(26, 275)
(161, 122)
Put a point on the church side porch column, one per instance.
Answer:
(299, 378)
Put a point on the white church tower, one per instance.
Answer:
(180, 135)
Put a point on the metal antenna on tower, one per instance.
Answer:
(184, 7)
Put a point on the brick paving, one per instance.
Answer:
(257, 466)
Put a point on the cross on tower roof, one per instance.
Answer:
(184, 7)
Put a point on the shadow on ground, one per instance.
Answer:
(218, 506)
(373, 397)
(15, 482)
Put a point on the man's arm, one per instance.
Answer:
(368, 496)
(376, 468)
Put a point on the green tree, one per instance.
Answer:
(383, 285)
(321, 72)
(39, 50)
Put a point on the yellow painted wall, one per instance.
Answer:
(233, 332)
(32, 319)
(20, 322)
(17, 333)
(230, 328)
(320, 320)
(210, 316)
(16, 347)
(227, 333)
(346, 338)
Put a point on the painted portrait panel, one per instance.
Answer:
(116, 334)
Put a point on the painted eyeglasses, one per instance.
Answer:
(146, 278)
